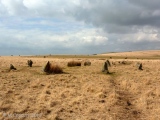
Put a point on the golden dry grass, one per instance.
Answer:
(80, 93)
(136, 54)
(50, 68)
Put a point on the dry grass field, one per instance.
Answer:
(147, 54)
(81, 92)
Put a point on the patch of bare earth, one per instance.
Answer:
(81, 92)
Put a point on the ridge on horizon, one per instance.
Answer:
(129, 51)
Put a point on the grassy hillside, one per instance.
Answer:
(148, 54)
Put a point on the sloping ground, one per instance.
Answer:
(81, 93)
(147, 53)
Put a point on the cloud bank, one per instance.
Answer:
(78, 27)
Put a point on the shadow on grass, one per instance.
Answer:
(110, 73)
(45, 73)
(34, 66)
(113, 74)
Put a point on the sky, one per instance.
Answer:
(35, 27)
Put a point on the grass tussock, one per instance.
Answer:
(52, 69)
(73, 63)
(55, 69)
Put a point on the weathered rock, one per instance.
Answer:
(12, 67)
(47, 67)
(105, 66)
(124, 62)
(108, 62)
(30, 62)
(73, 63)
(139, 66)
(87, 63)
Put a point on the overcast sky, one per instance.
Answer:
(33, 27)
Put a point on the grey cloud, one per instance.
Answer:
(148, 4)
(101, 13)
(124, 14)
(142, 45)
(44, 42)
(126, 24)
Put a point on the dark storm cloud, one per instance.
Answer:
(120, 13)
(148, 4)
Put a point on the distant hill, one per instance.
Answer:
(146, 53)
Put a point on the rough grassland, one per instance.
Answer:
(147, 54)
(80, 93)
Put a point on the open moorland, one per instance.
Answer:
(81, 92)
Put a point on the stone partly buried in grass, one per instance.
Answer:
(87, 63)
(73, 63)
(52, 69)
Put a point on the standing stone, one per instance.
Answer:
(12, 67)
(105, 66)
(108, 63)
(47, 67)
(30, 62)
(139, 66)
